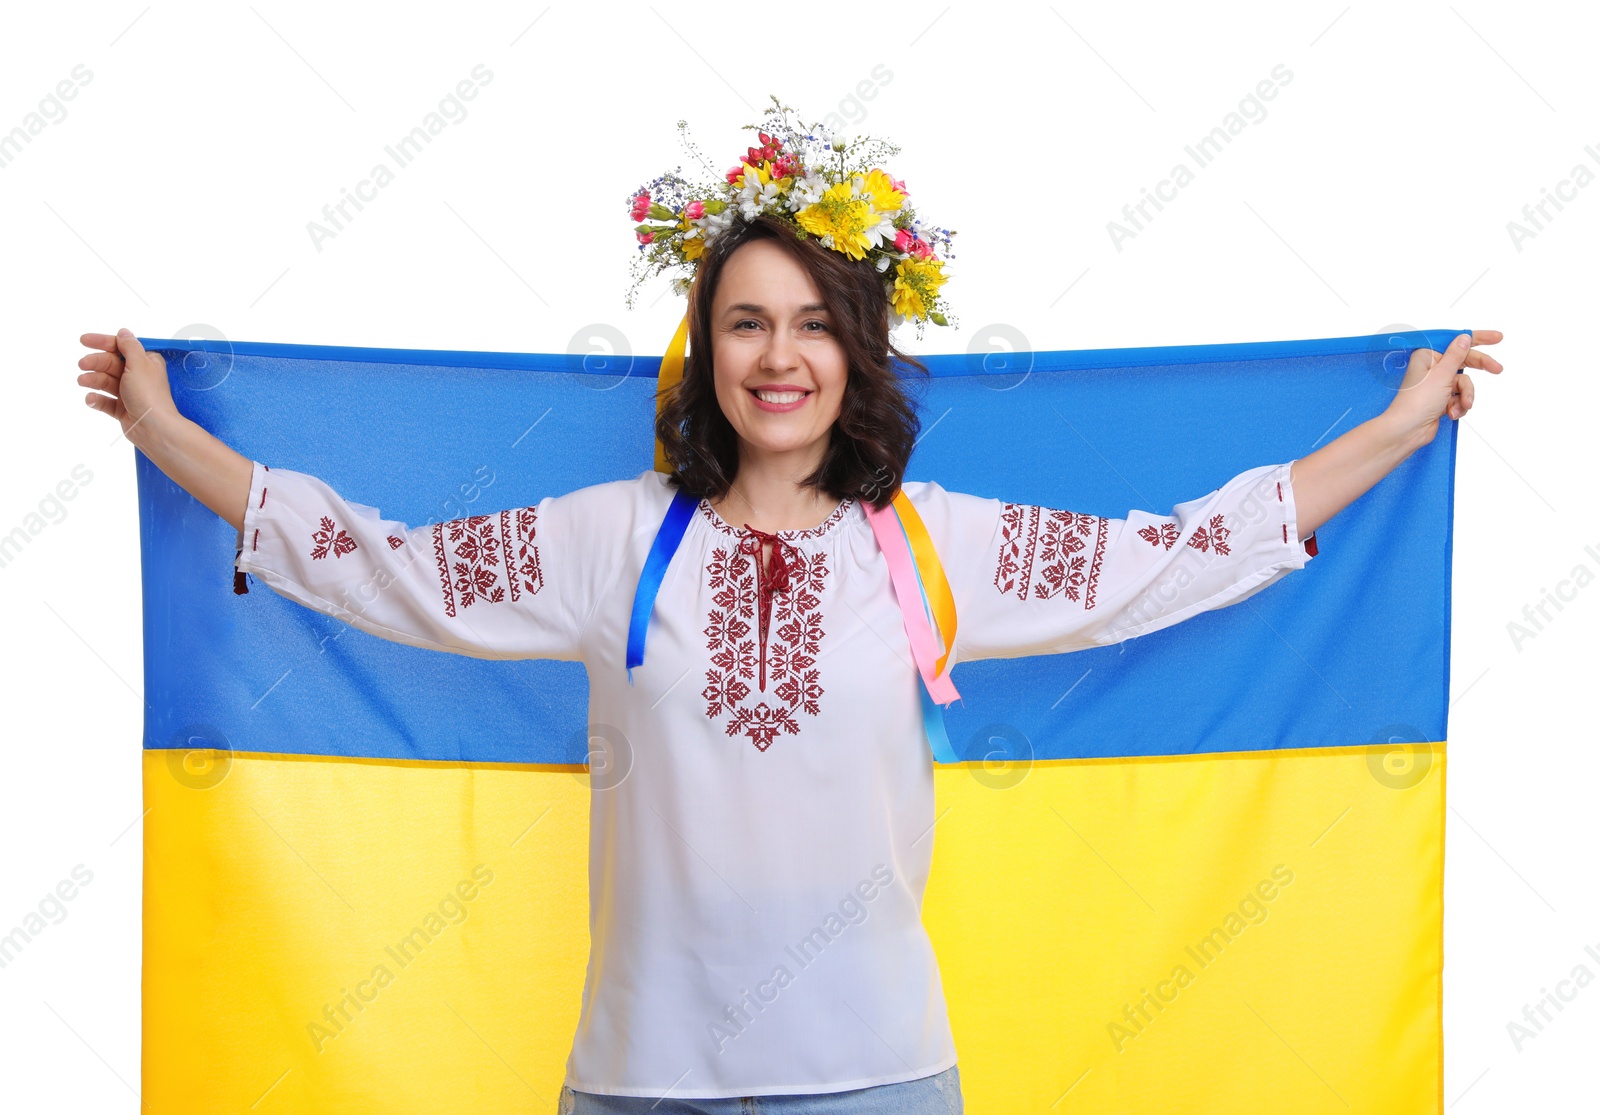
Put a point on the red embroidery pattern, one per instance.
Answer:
(817, 531)
(1212, 534)
(330, 540)
(1160, 534)
(396, 543)
(795, 631)
(1042, 553)
(1094, 570)
(1016, 521)
(491, 558)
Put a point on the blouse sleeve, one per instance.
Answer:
(1032, 580)
(510, 584)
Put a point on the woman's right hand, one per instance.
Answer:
(139, 396)
(134, 381)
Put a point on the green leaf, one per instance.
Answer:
(937, 318)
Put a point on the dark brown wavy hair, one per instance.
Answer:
(870, 442)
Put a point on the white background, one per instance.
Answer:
(1376, 191)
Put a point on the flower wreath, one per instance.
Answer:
(822, 185)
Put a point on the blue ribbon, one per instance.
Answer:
(933, 726)
(932, 713)
(668, 536)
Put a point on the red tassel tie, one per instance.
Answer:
(771, 578)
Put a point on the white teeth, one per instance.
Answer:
(780, 397)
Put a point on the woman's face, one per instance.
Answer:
(771, 333)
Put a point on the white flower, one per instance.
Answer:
(714, 223)
(882, 233)
(807, 191)
(754, 196)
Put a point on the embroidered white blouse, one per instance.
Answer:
(762, 805)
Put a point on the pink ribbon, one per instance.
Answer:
(908, 591)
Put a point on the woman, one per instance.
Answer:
(761, 832)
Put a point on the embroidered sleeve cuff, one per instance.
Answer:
(249, 539)
(1291, 531)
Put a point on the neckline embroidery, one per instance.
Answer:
(822, 528)
(786, 669)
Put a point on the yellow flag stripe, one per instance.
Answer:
(1173, 933)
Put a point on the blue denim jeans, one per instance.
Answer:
(939, 1094)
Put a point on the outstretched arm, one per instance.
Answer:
(1331, 478)
(517, 583)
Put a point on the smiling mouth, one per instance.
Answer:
(779, 398)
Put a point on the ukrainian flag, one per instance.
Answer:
(1200, 871)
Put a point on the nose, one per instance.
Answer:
(781, 353)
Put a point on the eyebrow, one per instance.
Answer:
(752, 308)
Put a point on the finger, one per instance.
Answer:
(1467, 392)
(1484, 361)
(1420, 361)
(102, 403)
(100, 381)
(1455, 352)
(1487, 336)
(110, 363)
(129, 344)
(106, 341)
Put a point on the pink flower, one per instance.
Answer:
(904, 241)
(641, 207)
(645, 237)
(899, 185)
(733, 175)
(694, 210)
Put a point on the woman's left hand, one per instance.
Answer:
(1434, 388)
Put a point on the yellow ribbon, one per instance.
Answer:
(670, 375)
(934, 582)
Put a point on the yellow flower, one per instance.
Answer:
(916, 286)
(693, 246)
(880, 188)
(744, 176)
(845, 218)
(763, 175)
